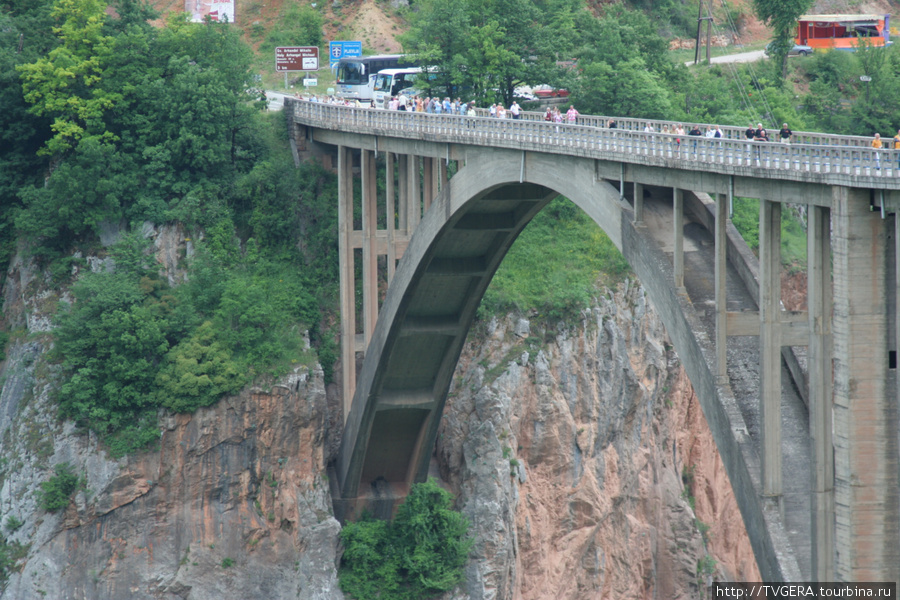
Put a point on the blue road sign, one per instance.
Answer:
(338, 50)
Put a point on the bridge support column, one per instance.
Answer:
(867, 517)
(429, 185)
(819, 302)
(390, 211)
(403, 196)
(721, 266)
(413, 193)
(369, 251)
(770, 345)
(638, 203)
(678, 222)
(347, 275)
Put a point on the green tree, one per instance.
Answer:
(781, 16)
(64, 84)
(418, 556)
(56, 492)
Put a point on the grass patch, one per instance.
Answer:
(555, 265)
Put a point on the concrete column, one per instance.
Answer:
(442, 173)
(867, 517)
(389, 212)
(428, 183)
(678, 222)
(414, 192)
(369, 252)
(721, 267)
(638, 203)
(819, 303)
(347, 277)
(770, 345)
(403, 196)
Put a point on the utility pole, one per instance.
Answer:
(700, 19)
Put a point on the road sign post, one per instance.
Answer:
(296, 58)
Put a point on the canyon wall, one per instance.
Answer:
(578, 452)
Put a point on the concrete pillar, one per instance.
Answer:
(867, 516)
(413, 192)
(403, 195)
(678, 222)
(347, 276)
(770, 345)
(369, 252)
(442, 173)
(428, 183)
(819, 303)
(721, 268)
(638, 203)
(390, 212)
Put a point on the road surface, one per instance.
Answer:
(741, 57)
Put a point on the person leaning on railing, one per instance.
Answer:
(897, 149)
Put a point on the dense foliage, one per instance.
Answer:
(581, 255)
(418, 556)
(119, 124)
(56, 492)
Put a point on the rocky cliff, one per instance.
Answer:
(578, 452)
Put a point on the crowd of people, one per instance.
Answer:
(435, 105)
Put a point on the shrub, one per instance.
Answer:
(420, 555)
(56, 492)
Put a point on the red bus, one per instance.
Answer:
(843, 32)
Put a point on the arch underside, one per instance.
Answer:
(431, 303)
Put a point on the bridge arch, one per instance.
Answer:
(431, 303)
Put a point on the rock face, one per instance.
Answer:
(569, 451)
(234, 504)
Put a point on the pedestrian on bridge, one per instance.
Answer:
(785, 134)
(572, 114)
(897, 149)
(877, 145)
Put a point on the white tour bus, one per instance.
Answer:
(356, 74)
(390, 82)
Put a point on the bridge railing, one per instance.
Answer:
(841, 157)
(728, 131)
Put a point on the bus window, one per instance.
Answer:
(352, 73)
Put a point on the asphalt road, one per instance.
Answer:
(741, 57)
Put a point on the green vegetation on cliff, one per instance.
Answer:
(419, 555)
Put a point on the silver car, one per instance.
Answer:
(796, 50)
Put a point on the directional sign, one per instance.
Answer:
(339, 50)
(296, 58)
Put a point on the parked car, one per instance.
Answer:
(546, 91)
(796, 50)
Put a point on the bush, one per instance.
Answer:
(56, 492)
(418, 556)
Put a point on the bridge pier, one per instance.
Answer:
(867, 530)
(678, 234)
(770, 346)
(721, 267)
(819, 302)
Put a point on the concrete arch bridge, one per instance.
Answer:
(443, 238)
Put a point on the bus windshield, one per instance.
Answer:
(383, 82)
(352, 73)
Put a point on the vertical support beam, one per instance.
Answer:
(369, 252)
(347, 283)
(867, 532)
(770, 345)
(819, 303)
(721, 268)
(389, 213)
(413, 192)
(428, 185)
(678, 221)
(638, 203)
(403, 197)
(442, 173)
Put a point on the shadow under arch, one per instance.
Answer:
(431, 303)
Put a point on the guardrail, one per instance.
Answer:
(820, 153)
